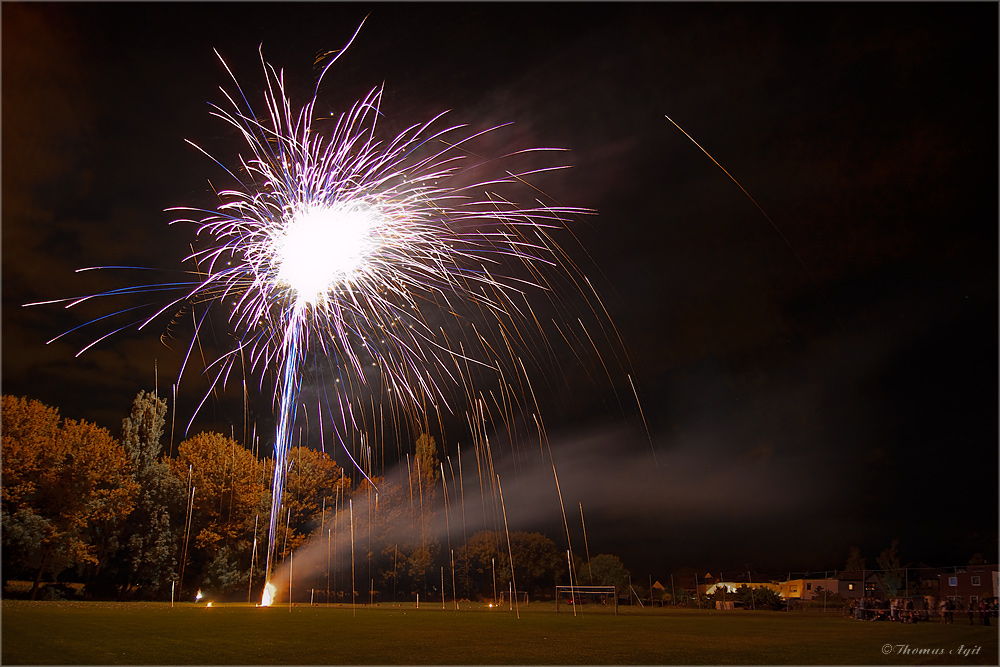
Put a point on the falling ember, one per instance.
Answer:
(268, 597)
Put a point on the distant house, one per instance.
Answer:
(693, 582)
(807, 589)
(971, 584)
(732, 586)
(657, 591)
(859, 584)
(922, 579)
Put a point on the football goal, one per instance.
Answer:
(580, 595)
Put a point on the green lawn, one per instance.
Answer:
(155, 633)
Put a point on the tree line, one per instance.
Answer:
(129, 521)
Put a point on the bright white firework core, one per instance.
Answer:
(325, 245)
(267, 598)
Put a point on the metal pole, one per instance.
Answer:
(454, 590)
(572, 590)
(354, 607)
(253, 556)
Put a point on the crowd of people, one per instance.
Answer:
(904, 610)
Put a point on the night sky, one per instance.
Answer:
(819, 382)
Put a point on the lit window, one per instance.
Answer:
(953, 581)
(850, 587)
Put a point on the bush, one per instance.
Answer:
(759, 598)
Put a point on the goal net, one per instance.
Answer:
(605, 596)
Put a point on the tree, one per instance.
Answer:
(428, 466)
(29, 459)
(142, 430)
(892, 574)
(609, 571)
(422, 550)
(68, 481)
(29, 432)
(148, 558)
(480, 551)
(538, 562)
(420, 562)
(99, 474)
(855, 562)
(312, 478)
(758, 597)
(229, 498)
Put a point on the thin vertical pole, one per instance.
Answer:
(572, 589)
(253, 555)
(509, 550)
(173, 413)
(494, 562)
(454, 591)
(187, 530)
(354, 608)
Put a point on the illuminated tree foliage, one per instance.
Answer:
(226, 488)
(66, 485)
(312, 477)
(148, 558)
(132, 522)
(608, 570)
(538, 563)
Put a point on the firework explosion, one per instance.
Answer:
(338, 242)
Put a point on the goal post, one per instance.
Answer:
(582, 594)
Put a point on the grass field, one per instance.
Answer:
(80, 633)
